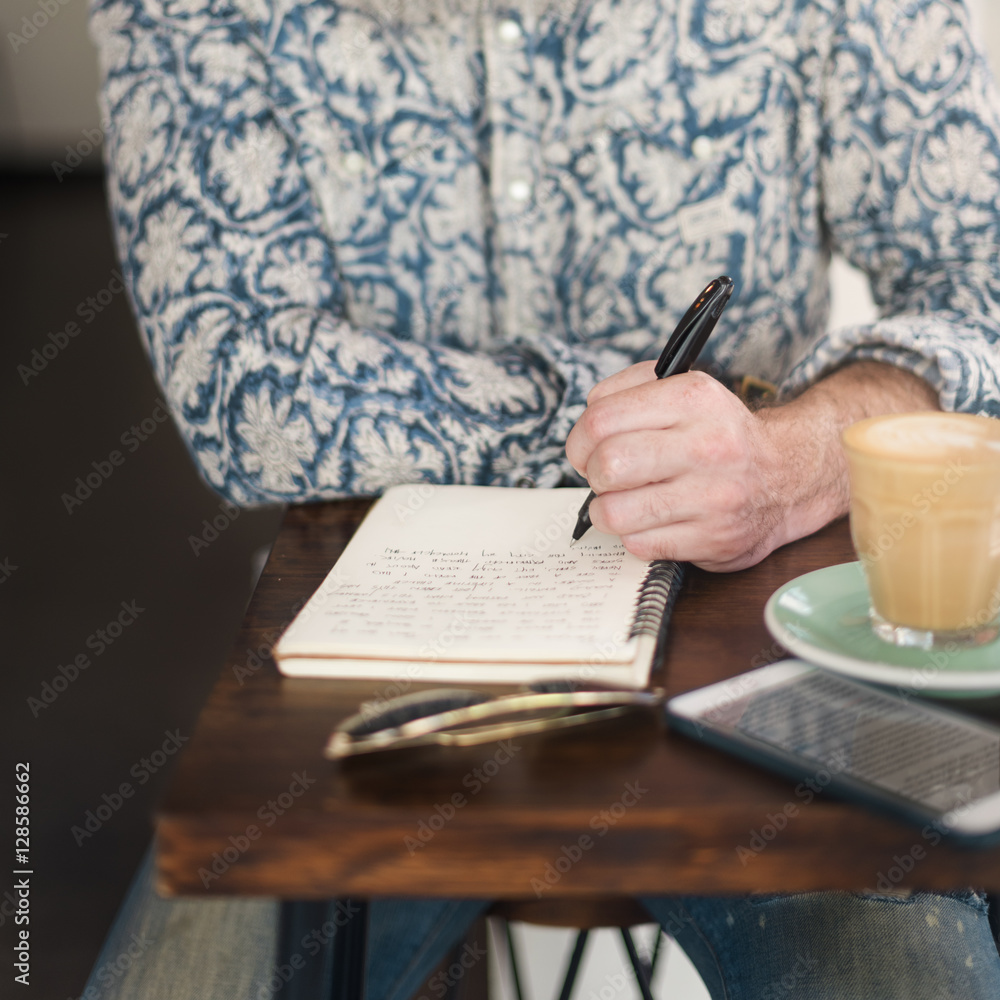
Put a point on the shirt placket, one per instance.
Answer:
(510, 107)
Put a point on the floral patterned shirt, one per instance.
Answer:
(381, 241)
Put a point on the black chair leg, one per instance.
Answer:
(569, 979)
(660, 935)
(512, 953)
(641, 971)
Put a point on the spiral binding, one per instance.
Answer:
(656, 598)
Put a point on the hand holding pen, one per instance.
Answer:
(680, 353)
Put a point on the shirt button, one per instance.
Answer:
(701, 147)
(354, 162)
(509, 31)
(519, 190)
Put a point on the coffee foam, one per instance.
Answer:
(929, 436)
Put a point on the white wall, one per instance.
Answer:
(988, 13)
(48, 84)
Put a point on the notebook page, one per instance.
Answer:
(472, 573)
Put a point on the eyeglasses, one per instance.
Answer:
(462, 717)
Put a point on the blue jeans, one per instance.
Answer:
(837, 945)
(820, 945)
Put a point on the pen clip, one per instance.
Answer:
(693, 330)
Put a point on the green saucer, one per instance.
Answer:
(822, 617)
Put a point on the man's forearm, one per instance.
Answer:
(808, 468)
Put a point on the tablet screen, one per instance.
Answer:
(937, 758)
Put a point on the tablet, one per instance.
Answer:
(918, 761)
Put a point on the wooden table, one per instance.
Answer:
(255, 809)
(332, 830)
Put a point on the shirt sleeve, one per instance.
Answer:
(235, 286)
(910, 179)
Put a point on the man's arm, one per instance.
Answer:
(909, 177)
(909, 164)
(685, 471)
(282, 383)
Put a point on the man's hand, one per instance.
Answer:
(683, 470)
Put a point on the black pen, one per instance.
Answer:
(679, 355)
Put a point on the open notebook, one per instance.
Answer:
(479, 583)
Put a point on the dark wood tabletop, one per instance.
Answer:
(619, 808)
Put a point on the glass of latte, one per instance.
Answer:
(925, 522)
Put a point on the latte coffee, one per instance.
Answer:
(925, 521)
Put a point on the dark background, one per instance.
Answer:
(64, 575)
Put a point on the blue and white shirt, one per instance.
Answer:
(382, 241)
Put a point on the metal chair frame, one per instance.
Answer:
(643, 968)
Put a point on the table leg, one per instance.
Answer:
(321, 957)
(350, 950)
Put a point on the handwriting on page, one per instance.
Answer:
(445, 600)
